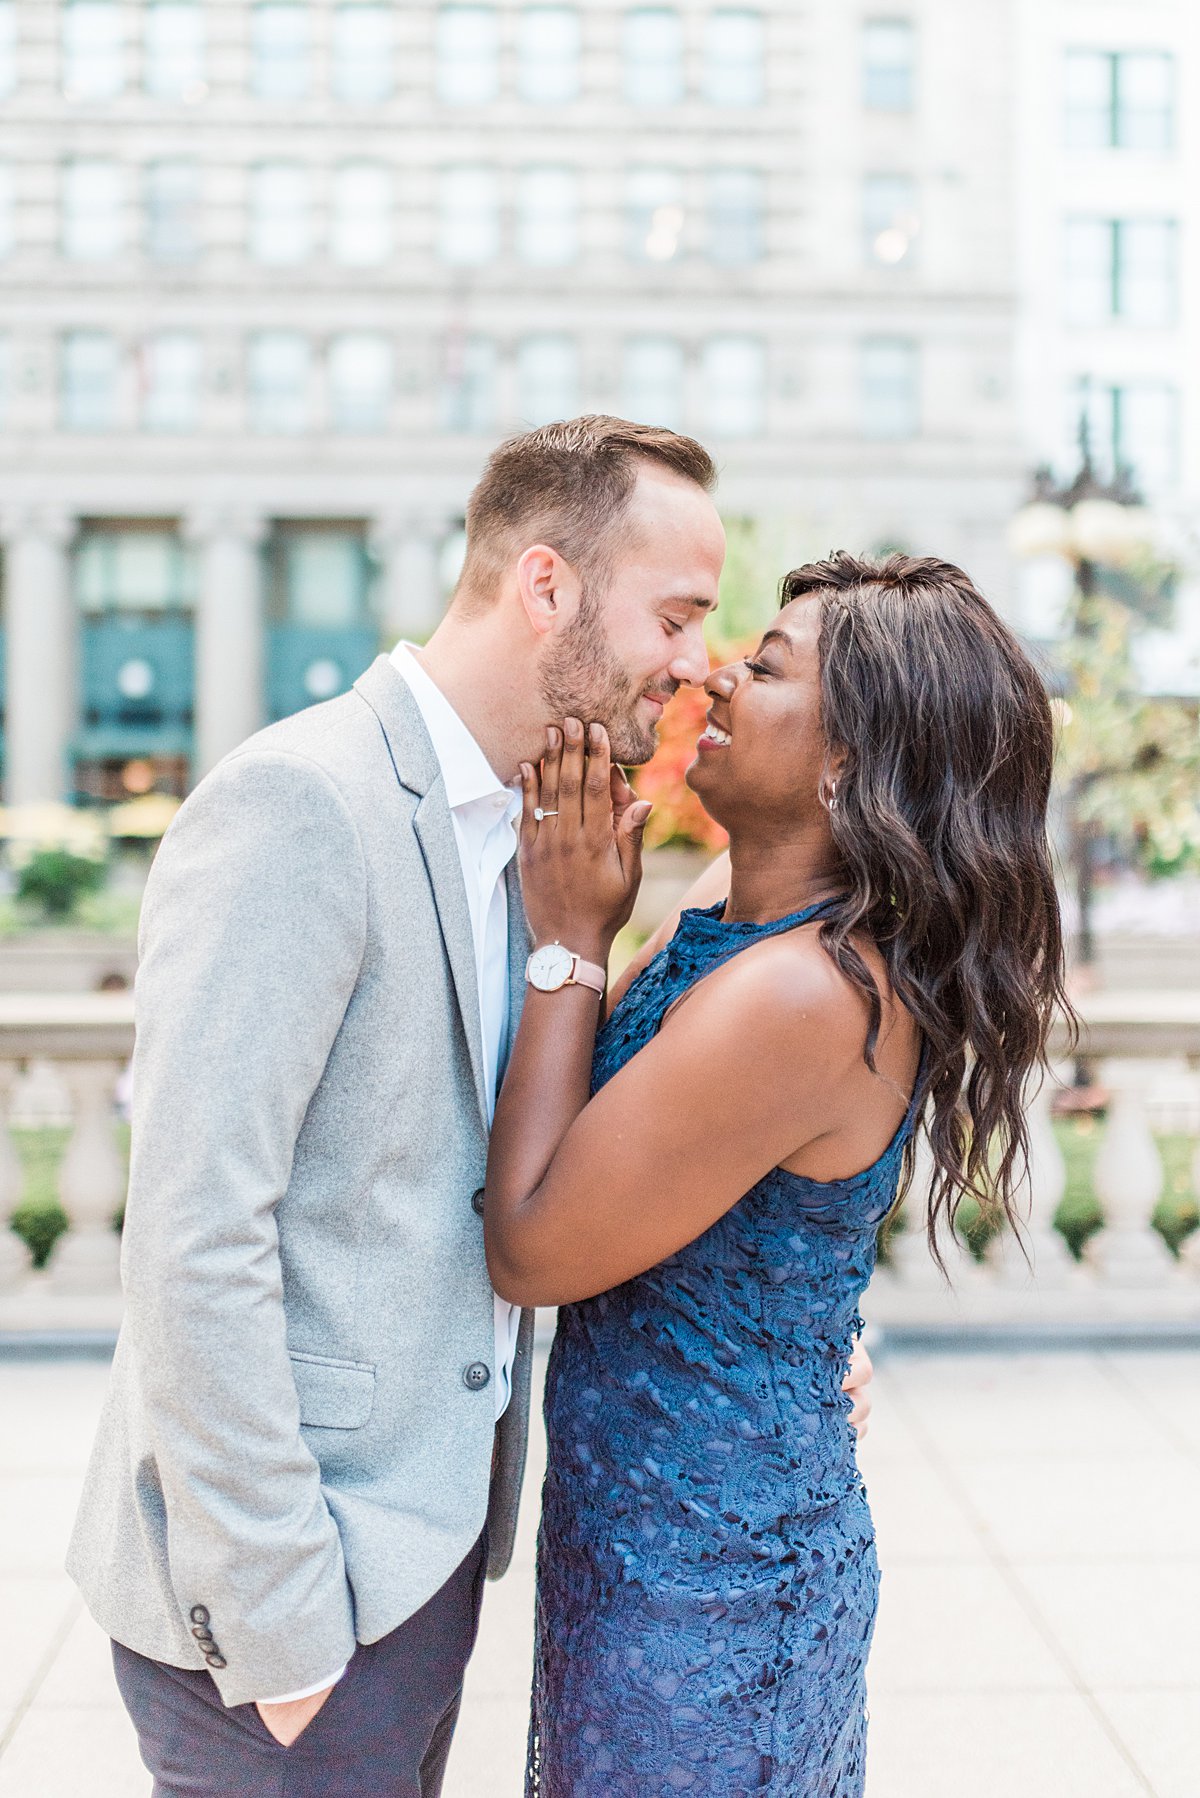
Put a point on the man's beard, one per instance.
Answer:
(582, 678)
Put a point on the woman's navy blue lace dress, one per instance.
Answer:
(707, 1577)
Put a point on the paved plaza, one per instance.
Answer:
(1039, 1636)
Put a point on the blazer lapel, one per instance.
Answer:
(416, 765)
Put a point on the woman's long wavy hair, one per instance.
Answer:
(940, 821)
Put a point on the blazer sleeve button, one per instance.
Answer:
(477, 1201)
(477, 1376)
(202, 1632)
(216, 1660)
(199, 1614)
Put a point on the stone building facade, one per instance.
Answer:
(276, 274)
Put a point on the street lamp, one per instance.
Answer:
(1092, 525)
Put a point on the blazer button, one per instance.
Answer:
(201, 1632)
(477, 1376)
(199, 1614)
(477, 1201)
(216, 1660)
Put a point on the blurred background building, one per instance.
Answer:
(276, 274)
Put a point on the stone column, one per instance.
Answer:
(42, 647)
(1128, 1179)
(230, 633)
(410, 599)
(14, 1256)
(91, 1183)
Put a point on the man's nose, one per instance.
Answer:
(691, 664)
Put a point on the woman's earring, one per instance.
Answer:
(829, 798)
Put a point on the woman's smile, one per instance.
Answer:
(715, 736)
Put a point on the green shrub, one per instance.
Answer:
(55, 880)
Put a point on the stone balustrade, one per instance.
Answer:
(1128, 1278)
(88, 1039)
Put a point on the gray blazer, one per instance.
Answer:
(296, 1448)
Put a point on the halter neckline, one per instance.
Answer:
(710, 920)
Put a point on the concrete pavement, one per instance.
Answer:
(1039, 1635)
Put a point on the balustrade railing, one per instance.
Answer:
(1127, 1273)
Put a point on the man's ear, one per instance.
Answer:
(548, 587)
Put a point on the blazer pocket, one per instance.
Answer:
(334, 1395)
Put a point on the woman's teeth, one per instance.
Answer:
(713, 735)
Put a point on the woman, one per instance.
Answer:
(699, 1185)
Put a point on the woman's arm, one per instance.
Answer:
(758, 1062)
(580, 1196)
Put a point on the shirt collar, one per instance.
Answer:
(466, 772)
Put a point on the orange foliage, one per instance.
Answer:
(678, 816)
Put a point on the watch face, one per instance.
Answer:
(549, 968)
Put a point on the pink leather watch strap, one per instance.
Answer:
(587, 973)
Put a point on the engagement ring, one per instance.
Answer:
(539, 814)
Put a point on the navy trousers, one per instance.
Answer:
(383, 1732)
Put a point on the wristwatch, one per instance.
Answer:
(552, 967)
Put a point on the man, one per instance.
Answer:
(315, 1433)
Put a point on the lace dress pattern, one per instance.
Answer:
(707, 1580)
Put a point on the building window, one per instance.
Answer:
(280, 225)
(170, 381)
(89, 381)
(469, 384)
(654, 214)
(363, 53)
(318, 578)
(174, 68)
(1133, 426)
(7, 224)
(547, 217)
(172, 211)
(890, 387)
(280, 45)
(653, 56)
(734, 384)
(467, 55)
(652, 386)
(889, 65)
(361, 232)
(93, 49)
(735, 216)
(93, 224)
(360, 381)
(734, 59)
(280, 366)
(1120, 100)
(468, 217)
(547, 378)
(1121, 269)
(143, 570)
(8, 46)
(891, 219)
(548, 50)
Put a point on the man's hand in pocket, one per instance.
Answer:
(287, 1721)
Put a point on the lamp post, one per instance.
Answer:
(1093, 526)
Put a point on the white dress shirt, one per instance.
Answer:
(483, 811)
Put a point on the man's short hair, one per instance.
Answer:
(567, 485)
